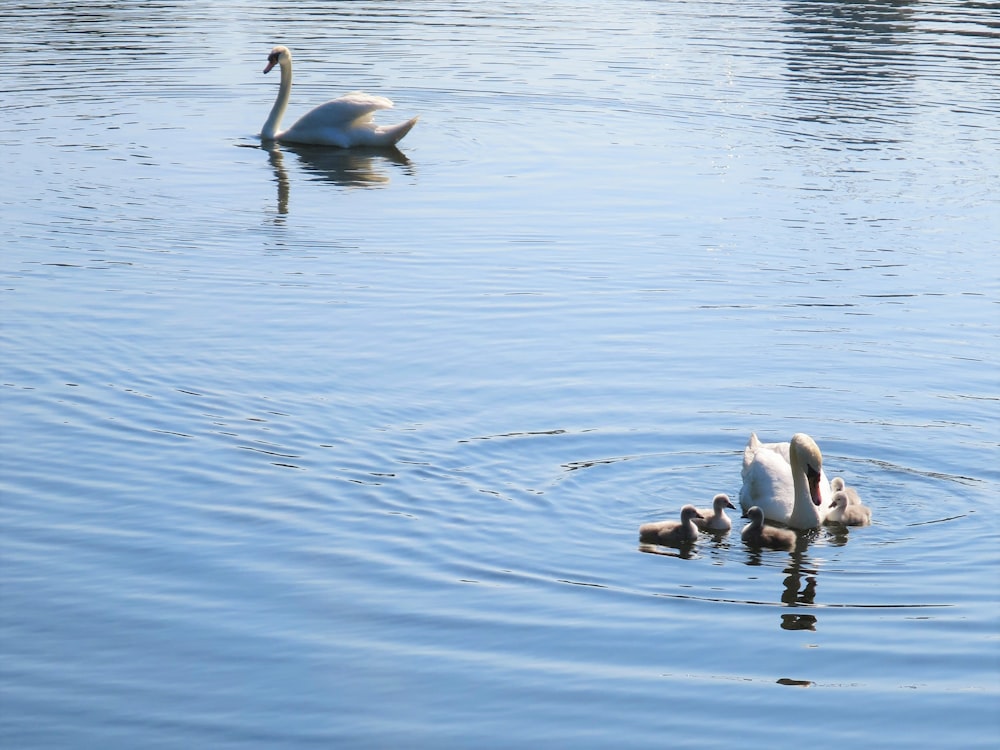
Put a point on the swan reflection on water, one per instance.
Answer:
(800, 590)
(801, 571)
(344, 167)
(799, 583)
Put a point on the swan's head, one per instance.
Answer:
(689, 512)
(805, 453)
(279, 56)
(721, 501)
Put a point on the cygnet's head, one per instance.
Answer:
(756, 516)
(689, 512)
(840, 500)
(721, 501)
(804, 452)
(837, 484)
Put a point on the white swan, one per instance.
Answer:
(672, 533)
(343, 122)
(850, 514)
(716, 518)
(756, 534)
(786, 481)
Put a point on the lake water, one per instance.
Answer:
(306, 448)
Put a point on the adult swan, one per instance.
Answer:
(343, 122)
(786, 481)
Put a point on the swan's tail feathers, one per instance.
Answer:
(753, 445)
(395, 133)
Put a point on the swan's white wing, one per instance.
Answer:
(346, 111)
(767, 483)
(346, 122)
(368, 102)
(780, 448)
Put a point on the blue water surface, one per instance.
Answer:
(309, 448)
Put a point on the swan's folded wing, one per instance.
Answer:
(350, 109)
(782, 449)
(365, 102)
(767, 483)
(755, 448)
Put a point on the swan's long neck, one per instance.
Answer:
(270, 128)
(804, 515)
